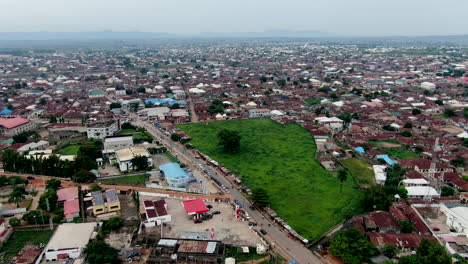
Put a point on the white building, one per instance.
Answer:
(422, 192)
(34, 146)
(102, 130)
(415, 182)
(124, 157)
(69, 241)
(259, 113)
(156, 213)
(155, 113)
(428, 86)
(380, 174)
(330, 122)
(116, 143)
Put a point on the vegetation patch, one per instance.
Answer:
(280, 159)
(361, 171)
(69, 150)
(20, 239)
(138, 179)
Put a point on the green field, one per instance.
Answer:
(362, 171)
(399, 153)
(140, 179)
(126, 132)
(69, 150)
(280, 158)
(20, 239)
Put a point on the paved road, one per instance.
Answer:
(280, 241)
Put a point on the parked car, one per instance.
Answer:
(197, 221)
(436, 229)
(252, 224)
(216, 212)
(252, 208)
(209, 206)
(263, 231)
(31, 178)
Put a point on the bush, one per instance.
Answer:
(57, 219)
(15, 221)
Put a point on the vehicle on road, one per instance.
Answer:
(216, 212)
(263, 231)
(252, 224)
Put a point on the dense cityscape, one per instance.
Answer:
(235, 151)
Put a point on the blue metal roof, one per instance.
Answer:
(360, 150)
(173, 170)
(387, 159)
(165, 101)
(5, 112)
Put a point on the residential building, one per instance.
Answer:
(155, 213)
(13, 126)
(175, 176)
(259, 113)
(170, 250)
(124, 157)
(101, 130)
(64, 131)
(106, 202)
(69, 199)
(118, 142)
(69, 241)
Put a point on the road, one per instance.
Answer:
(279, 240)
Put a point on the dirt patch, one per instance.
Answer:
(389, 145)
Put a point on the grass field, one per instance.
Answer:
(128, 131)
(362, 171)
(399, 153)
(170, 157)
(140, 179)
(22, 238)
(69, 150)
(280, 158)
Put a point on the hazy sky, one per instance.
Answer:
(343, 17)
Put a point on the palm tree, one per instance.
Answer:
(140, 163)
(342, 176)
(17, 195)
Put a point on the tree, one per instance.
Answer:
(99, 252)
(416, 111)
(48, 201)
(281, 82)
(458, 162)
(428, 252)
(95, 187)
(351, 246)
(84, 176)
(53, 184)
(128, 125)
(53, 119)
(376, 198)
(342, 176)
(140, 163)
(175, 137)
(448, 112)
(390, 251)
(15, 221)
(113, 223)
(36, 217)
(115, 105)
(42, 101)
(406, 226)
(447, 191)
(405, 133)
(408, 125)
(17, 195)
(229, 140)
(21, 137)
(141, 89)
(260, 197)
(439, 102)
(143, 70)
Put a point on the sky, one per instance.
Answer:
(340, 17)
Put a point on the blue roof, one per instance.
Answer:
(173, 170)
(6, 112)
(387, 159)
(165, 101)
(360, 150)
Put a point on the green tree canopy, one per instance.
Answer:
(17, 195)
(342, 176)
(376, 198)
(351, 246)
(140, 163)
(101, 253)
(229, 140)
(260, 197)
(428, 252)
(84, 176)
(36, 217)
(53, 184)
(49, 196)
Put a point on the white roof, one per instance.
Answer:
(118, 139)
(421, 191)
(130, 153)
(463, 135)
(416, 181)
(167, 242)
(71, 236)
(379, 172)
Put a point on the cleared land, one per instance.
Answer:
(280, 158)
(21, 239)
(140, 179)
(361, 171)
(394, 150)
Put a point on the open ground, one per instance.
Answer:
(280, 159)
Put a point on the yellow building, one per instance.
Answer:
(106, 202)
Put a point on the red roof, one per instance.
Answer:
(197, 206)
(398, 240)
(13, 122)
(66, 194)
(71, 207)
